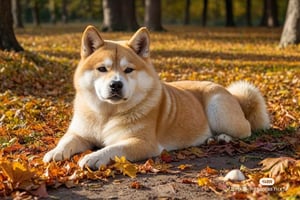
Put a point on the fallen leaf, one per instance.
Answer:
(276, 166)
(19, 174)
(204, 181)
(184, 166)
(291, 193)
(166, 156)
(125, 166)
(41, 192)
(136, 185)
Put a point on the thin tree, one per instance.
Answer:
(270, 14)
(248, 13)
(291, 30)
(187, 12)
(64, 11)
(8, 39)
(153, 15)
(229, 13)
(17, 13)
(204, 12)
(52, 8)
(36, 12)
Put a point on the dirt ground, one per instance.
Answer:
(162, 185)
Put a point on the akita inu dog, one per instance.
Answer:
(122, 108)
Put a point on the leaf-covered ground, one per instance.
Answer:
(36, 95)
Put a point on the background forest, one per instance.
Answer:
(198, 12)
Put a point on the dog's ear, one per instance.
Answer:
(140, 42)
(90, 41)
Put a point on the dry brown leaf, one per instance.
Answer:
(276, 166)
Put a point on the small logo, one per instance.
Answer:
(267, 181)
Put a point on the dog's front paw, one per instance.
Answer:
(93, 160)
(57, 154)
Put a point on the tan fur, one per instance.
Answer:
(149, 115)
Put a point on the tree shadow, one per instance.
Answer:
(226, 56)
(29, 73)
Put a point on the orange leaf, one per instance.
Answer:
(136, 185)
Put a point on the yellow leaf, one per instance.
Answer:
(203, 181)
(291, 192)
(19, 174)
(125, 167)
(196, 151)
(184, 166)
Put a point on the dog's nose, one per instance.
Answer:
(116, 86)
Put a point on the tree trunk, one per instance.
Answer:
(204, 12)
(270, 14)
(36, 13)
(248, 12)
(153, 15)
(128, 15)
(64, 11)
(8, 40)
(229, 13)
(187, 12)
(291, 29)
(17, 14)
(112, 12)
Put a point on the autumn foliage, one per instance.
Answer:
(36, 95)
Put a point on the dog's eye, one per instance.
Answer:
(102, 69)
(128, 70)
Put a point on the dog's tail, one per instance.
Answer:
(252, 103)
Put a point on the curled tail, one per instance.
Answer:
(252, 103)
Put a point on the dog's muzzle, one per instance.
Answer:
(116, 90)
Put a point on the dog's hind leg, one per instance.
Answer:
(225, 115)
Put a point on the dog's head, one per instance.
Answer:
(116, 72)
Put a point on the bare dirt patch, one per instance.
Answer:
(163, 185)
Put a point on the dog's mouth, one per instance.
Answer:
(116, 97)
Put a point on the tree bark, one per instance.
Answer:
(153, 15)
(8, 40)
(119, 15)
(187, 12)
(17, 14)
(291, 30)
(112, 15)
(248, 12)
(270, 14)
(229, 13)
(129, 16)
